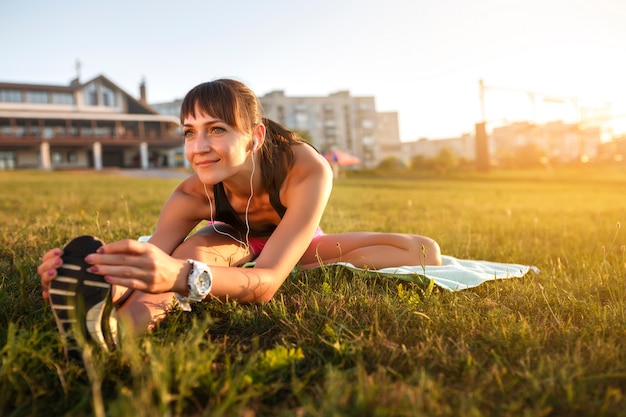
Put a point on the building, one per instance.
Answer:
(338, 121)
(614, 150)
(83, 125)
(463, 147)
(558, 141)
(388, 135)
(170, 108)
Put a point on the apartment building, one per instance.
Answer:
(93, 124)
(338, 121)
(388, 135)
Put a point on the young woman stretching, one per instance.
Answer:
(263, 192)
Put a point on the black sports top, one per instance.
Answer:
(225, 213)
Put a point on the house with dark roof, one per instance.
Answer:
(94, 124)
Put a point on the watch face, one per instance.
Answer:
(203, 281)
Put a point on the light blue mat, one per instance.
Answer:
(453, 275)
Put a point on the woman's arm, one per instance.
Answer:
(180, 214)
(183, 210)
(305, 193)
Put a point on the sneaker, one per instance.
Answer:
(81, 301)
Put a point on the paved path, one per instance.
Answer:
(151, 173)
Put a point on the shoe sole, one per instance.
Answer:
(81, 301)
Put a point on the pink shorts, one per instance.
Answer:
(258, 243)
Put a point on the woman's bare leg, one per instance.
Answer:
(372, 250)
(142, 311)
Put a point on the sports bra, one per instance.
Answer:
(225, 213)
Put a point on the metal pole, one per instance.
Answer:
(482, 100)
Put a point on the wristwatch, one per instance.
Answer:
(199, 282)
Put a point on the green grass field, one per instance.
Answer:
(338, 344)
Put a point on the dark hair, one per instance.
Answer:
(234, 103)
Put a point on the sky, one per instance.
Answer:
(540, 60)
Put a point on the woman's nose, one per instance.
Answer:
(201, 144)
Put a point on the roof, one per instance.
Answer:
(134, 105)
(38, 87)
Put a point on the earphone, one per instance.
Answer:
(255, 144)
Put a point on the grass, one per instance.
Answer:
(338, 344)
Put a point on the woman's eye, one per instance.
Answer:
(187, 134)
(217, 130)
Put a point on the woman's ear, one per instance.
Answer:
(258, 134)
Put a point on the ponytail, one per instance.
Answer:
(276, 154)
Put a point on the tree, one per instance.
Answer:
(390, 163)
(445, 160)
(420, 163)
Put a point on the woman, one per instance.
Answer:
(263, 192)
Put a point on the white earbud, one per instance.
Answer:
(255, 144)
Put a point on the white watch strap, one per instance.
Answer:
(195, 294)
(183, 302)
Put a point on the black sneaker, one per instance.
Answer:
(81, 301)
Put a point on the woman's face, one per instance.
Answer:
(215, 150)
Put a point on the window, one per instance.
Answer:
(34, 131)
(57, 158)
(7, 160)
(108, 97)
(11, 96)
(102, 132)
(62, 98)
(6, 131)
(91, 95)
(281, 114)
(302, 119)
(37, 97)
(365, 105)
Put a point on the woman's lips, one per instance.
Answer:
(205, 163)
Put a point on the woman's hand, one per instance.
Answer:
(141, 266)
(47, 270)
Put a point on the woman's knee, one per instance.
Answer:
(427, 248)
(430, 250)
(212, 248)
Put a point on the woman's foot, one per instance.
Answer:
(81, 301)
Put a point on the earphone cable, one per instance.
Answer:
(245, 244)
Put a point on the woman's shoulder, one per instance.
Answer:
(306, 154)
(309, 163)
